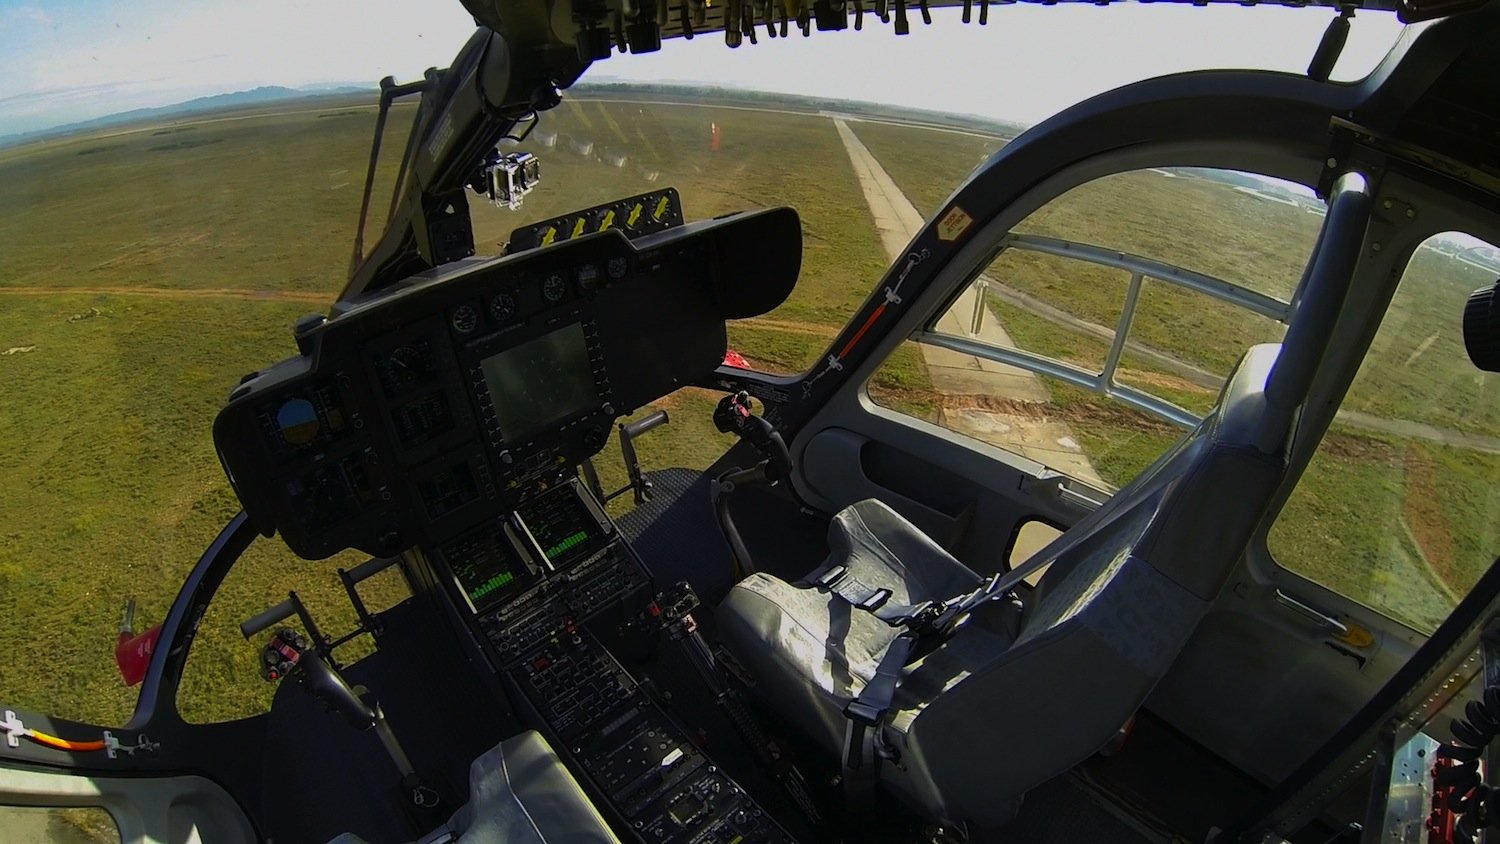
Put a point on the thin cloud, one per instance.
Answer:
(78, 92)
(31, 14)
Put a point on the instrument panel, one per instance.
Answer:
(416, 413)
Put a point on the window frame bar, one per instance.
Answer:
(1140, 269)
(1217, 288)
(1095, 382)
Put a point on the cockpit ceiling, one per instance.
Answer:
(783, 18)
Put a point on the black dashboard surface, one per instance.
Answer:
(417, 413)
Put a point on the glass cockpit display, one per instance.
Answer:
(486, 566)
(540, 382)
(563, 525)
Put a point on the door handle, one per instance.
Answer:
(1076, 497)
(1324, 620)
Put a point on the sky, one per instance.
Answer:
(67, 60)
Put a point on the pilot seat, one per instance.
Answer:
(1011, 695)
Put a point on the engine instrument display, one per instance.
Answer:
(486, 566)
(447, 490)
(563, 525)
(540, 382)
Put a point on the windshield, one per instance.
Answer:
(714, 122)
(183, 181)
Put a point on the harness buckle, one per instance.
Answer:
(832, 576)
(863, 713)
(926, 616)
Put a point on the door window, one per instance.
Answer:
(1110, 318)
(1398, 507)
(52, 825)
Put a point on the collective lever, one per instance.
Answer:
(733, 415)
(289, 654)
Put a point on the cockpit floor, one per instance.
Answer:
(1067, 809)
(322, 778)
(676, 534)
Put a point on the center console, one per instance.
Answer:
(533, 584)
(447, 417)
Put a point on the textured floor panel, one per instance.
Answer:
(1175, 779)
(679, 539)
(1066, 810)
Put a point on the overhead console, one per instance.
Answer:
(427, 413)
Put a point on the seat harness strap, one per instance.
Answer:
(865, 745)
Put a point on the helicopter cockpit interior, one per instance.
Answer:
(823, 636)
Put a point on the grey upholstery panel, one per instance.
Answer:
(870, 537)
(806, 651)
(1071, 679)
(811, 653)
(520, 793)
(1242, 401)
(1222, 497)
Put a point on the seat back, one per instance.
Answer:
(1126, 588)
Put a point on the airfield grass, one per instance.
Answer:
(161, 264)
(1396, 522)
(926, 165)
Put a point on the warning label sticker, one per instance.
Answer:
(954, 224)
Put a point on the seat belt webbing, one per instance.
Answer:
(866, 711)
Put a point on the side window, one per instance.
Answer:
(221, 680)
(1110, 318)
(72, 825)
(1398, 507)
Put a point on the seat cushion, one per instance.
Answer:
(886, 551)
(519, 793)
(809, 652)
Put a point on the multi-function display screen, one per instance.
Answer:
(486, 567)
(562, 525)
(540, 382)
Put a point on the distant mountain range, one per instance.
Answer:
(237, 99)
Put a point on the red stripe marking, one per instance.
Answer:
(862, 329)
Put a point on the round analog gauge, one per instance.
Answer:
(502, 307)
(465, 319)
(407, 364)
(554, 288)
(616, 268)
